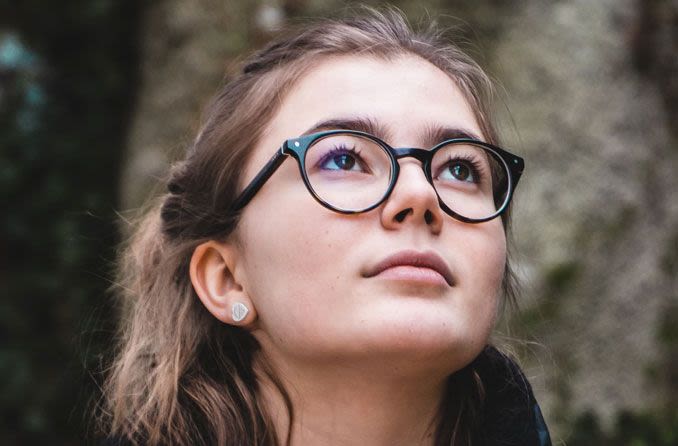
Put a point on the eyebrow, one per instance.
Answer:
(431, 135)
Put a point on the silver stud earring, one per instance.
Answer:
(239, 311)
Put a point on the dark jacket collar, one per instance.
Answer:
(510, 413)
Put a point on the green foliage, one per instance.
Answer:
(669, 262)
(559, 277)
(668, 328)
(67, 78)
(630, 429)
(557, 281)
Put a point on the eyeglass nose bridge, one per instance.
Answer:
(412, 152)
(422, 155)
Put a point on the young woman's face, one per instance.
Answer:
(310, 272)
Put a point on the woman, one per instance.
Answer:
(330, 258)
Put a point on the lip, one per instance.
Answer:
(411, 258)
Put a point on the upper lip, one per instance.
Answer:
(413, 258)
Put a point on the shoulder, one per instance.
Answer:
(511, 414)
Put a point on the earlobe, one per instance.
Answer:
(212, 275)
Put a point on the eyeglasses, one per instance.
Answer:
(350, 172)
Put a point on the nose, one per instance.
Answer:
(413, 200)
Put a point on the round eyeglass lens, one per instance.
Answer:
(349, 172)
(470, 179)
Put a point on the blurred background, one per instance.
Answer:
(98, 96)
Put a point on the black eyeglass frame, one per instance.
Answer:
(297, 147)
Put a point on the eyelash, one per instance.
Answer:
(340, 150)
(476, 167)
(343, 149)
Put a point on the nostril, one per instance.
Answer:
(428, 217)
(400, 216)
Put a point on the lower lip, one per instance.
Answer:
(407, 273)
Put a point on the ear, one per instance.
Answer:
(212, 270)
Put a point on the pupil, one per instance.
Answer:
(460, 171)
(345, 162)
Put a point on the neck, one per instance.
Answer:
(335, 405)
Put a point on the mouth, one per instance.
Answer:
(413, 265)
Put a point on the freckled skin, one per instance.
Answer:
(302, 262)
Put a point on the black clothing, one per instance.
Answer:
(511, 415)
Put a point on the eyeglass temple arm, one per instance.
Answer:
(258, 181)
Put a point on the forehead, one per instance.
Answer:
(405, 97)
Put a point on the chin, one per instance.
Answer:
(428, 324)
(422, 344)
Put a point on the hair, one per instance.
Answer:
(179, 376)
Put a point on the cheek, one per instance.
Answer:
(479, 260)
(292, 268)
(489, 259)
(483, 271)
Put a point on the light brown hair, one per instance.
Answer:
(179, 376)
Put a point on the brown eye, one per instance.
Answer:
(459, 171)
(344, 161)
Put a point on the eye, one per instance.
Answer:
(461, 172)
(464, 170)
(342, 158)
